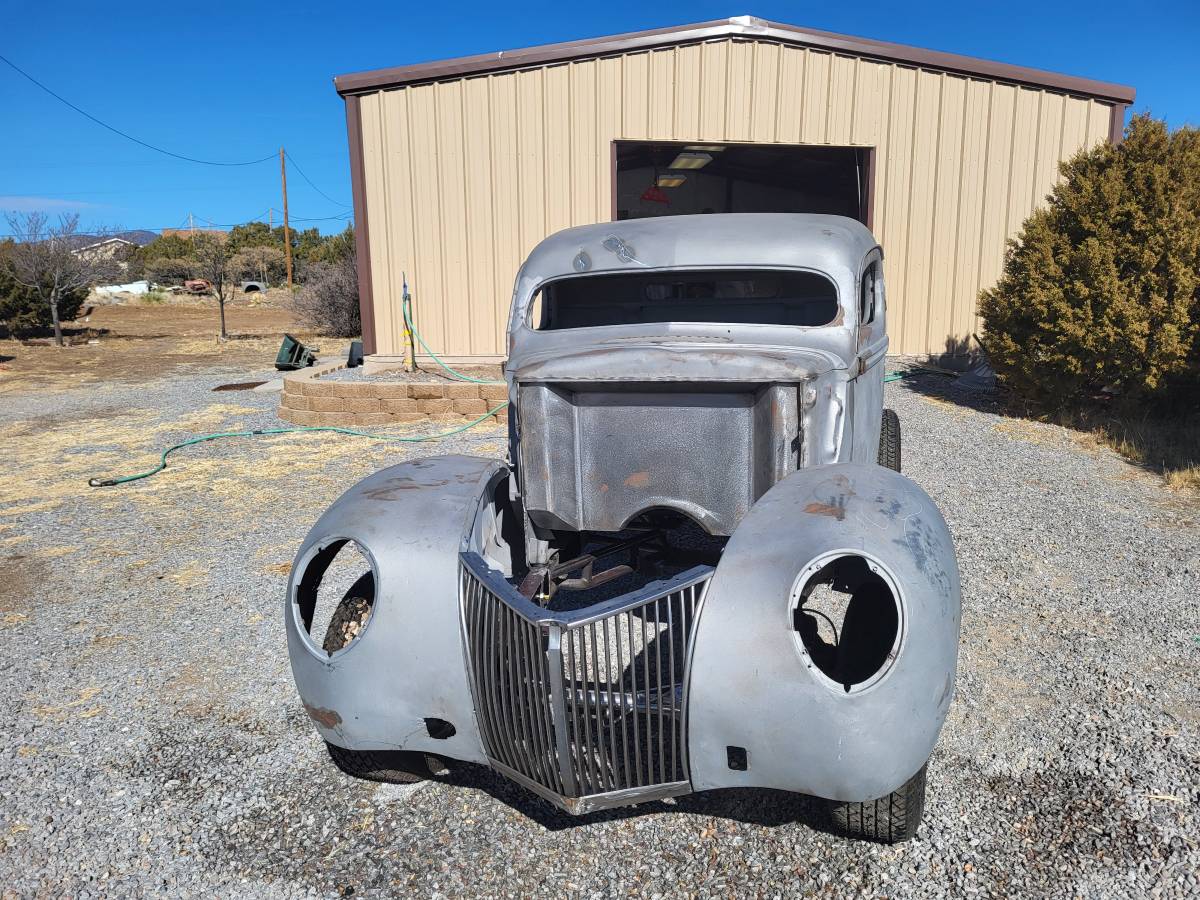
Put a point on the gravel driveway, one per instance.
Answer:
(151, 740)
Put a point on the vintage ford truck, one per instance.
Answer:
(698, 566)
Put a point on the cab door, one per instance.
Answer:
(866, 387)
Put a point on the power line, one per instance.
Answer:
(296, 166)
(129, 137)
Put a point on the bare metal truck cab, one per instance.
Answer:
(699, 566)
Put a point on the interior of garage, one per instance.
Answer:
(672, 179)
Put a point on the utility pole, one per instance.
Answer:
(287, 235)
(192, 229)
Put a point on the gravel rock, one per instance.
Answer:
(151, 740)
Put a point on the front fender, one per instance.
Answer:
(407, 666)
(754, 686)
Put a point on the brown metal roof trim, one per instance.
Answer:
(745, 27)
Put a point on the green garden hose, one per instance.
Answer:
(408, 439)
(459, 375)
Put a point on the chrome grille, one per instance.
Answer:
(587, 707)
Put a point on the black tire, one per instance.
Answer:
(889, 441)
(888, 820)
(392, 766)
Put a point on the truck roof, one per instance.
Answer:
(738, 240)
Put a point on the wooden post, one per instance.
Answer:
(287, 234)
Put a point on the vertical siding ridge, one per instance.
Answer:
(386, 260)
(987, 162)
(545, 156)
(1062, 134)
(1037, 147)
(572, 68)
(441, 230)
(466, 211)
(497, 317)
(728, 92)
(778, 91)
(937, 167)
(829, 97)
(1012, 150)
(517, 132)
(882, 160)
(805, 58)
(962, 168)
(598, 173)
(412, 188)
(750, 92)
(647, 131)
(854, 100)
(912, 155)
(674, 93)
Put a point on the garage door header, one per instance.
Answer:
(744, 27)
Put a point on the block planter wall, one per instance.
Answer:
(308, 399)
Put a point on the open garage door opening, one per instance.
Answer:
(675, 179)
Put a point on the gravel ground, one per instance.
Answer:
(151, 741)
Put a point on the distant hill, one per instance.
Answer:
(141, 238)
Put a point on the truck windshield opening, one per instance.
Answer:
(760, 297)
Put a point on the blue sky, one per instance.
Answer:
(234, 81)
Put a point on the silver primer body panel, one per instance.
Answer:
(699, 417)
(407, 666)
(602, 455)
(752, 686)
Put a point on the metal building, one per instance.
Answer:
(461, 166)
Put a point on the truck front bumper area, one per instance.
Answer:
(699, 681)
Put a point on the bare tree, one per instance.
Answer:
(47, 259)
(213, 265)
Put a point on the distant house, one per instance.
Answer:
(109, 248)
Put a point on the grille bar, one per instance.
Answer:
(584, 707)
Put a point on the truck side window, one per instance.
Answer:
(866, 299)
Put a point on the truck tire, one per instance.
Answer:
(889, 441)
(391, 766)
(889, 819)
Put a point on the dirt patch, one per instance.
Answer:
(134, 344)
(20, 574)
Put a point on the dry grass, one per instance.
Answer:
(1169, 447)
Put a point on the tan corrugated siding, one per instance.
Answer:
(464, 177)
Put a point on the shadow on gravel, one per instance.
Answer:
(946, 388)
(751, 806)
(1163, 443)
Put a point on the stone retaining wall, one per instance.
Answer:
(309, 400)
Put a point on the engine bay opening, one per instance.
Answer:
(590, 567)
(336, 595)
(848, 618)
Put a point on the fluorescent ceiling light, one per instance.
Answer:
(670, 180)
(704, 148)
(691, 159)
